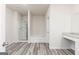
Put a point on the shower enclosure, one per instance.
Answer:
(23, 28)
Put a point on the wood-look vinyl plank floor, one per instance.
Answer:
(24, 48)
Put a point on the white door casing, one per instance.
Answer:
(29, 25)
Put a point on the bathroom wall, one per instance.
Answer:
(11, 25)
(75, 19)
(75, 22)
(2, 26)
(38, 29)
(16, 26)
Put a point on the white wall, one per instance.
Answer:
(75, 19)
(38, 26)
(11, 25)
(2, 26)
(59, 22)
(75, 22)
(38, 29)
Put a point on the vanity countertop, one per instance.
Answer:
(71, 36)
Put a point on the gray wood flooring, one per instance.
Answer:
(24, 48)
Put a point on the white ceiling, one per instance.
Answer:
(36, 9)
